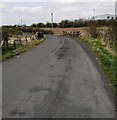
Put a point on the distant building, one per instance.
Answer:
(104, 17)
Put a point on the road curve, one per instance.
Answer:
(57, 79)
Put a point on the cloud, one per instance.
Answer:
(2, 5)
(61, 1)
(23, 9)
(40, 11)
(70, 9)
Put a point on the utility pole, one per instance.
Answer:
(52, 20)
(94, 14)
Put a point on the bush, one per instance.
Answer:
(110, 35)
(114, 32)
(92, 29)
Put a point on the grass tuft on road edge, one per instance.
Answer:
(8, 53)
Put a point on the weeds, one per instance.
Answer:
(106, 59)
(10, 52)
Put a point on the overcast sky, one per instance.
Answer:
(34, 12)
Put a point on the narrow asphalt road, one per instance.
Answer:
(54, 80)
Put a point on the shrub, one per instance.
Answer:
(92, 29)
(110, 35)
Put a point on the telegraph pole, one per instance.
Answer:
(94, 13)
(52, 20)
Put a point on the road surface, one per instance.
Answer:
(57, 79)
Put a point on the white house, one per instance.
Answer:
(104, 17)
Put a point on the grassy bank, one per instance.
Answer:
(10, 52)
(107, 60)
(0, 57)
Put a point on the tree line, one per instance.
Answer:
(74, 24)
(68, 23)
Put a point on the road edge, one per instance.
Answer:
(109, 90)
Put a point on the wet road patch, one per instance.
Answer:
(17, 112)
(35, 89)
(52, 66)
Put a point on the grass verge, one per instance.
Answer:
(0, 57)
(107, 61)
(8, 53)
